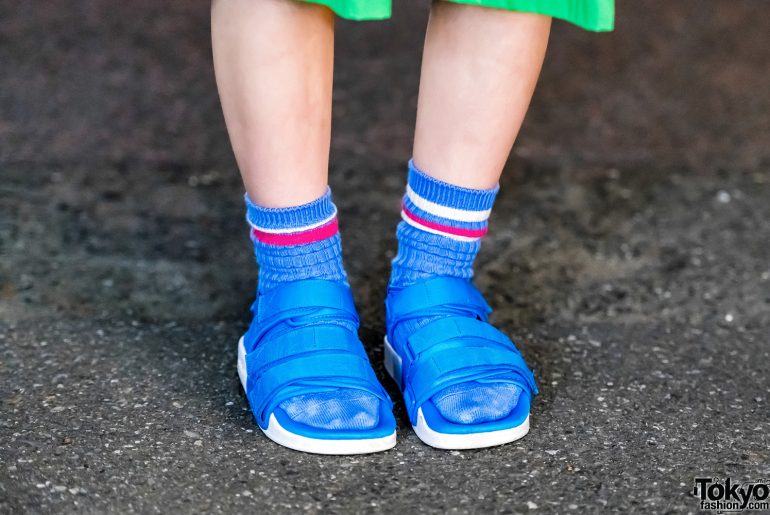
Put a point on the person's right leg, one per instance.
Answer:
(305, 372)
(274, 61)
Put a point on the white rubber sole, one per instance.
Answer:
(277, 433)
(452, 441)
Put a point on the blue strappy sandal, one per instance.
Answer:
(295, 346)
(459, 346)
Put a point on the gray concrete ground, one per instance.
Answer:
(629, 255)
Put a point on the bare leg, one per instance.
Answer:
(274, 62)
(479, 70)
(480, 66)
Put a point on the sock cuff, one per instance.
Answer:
(288, 226)
(291, 219)
(440, 208)
(421, 186)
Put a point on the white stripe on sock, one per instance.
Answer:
(289, 230)
(459, 215)
(418, 225)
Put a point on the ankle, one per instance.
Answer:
(296, 243)
(441, 229)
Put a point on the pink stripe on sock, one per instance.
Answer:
(456, 231)
(298, 238)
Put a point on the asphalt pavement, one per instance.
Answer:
(628, 254)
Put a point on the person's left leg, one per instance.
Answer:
(479, 70)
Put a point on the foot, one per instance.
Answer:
(464, 382)
(307, 376)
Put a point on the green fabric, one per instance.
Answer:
(596, 15)
(358, 9)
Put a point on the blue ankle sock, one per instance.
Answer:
(440, 235)
(295, 243)
(303, 242)
(441, 229)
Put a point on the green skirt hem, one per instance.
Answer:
(596, 15)
(593, 15)
(358, 10)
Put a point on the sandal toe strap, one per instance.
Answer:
(455, 350)
(307, 360)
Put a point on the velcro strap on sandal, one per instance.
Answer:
(304, 340)
(433, 294)
(454, 350)
(449, 329)
(276, 382)
(304, 296)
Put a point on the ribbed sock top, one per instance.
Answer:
(441, 229)
(296, 243)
